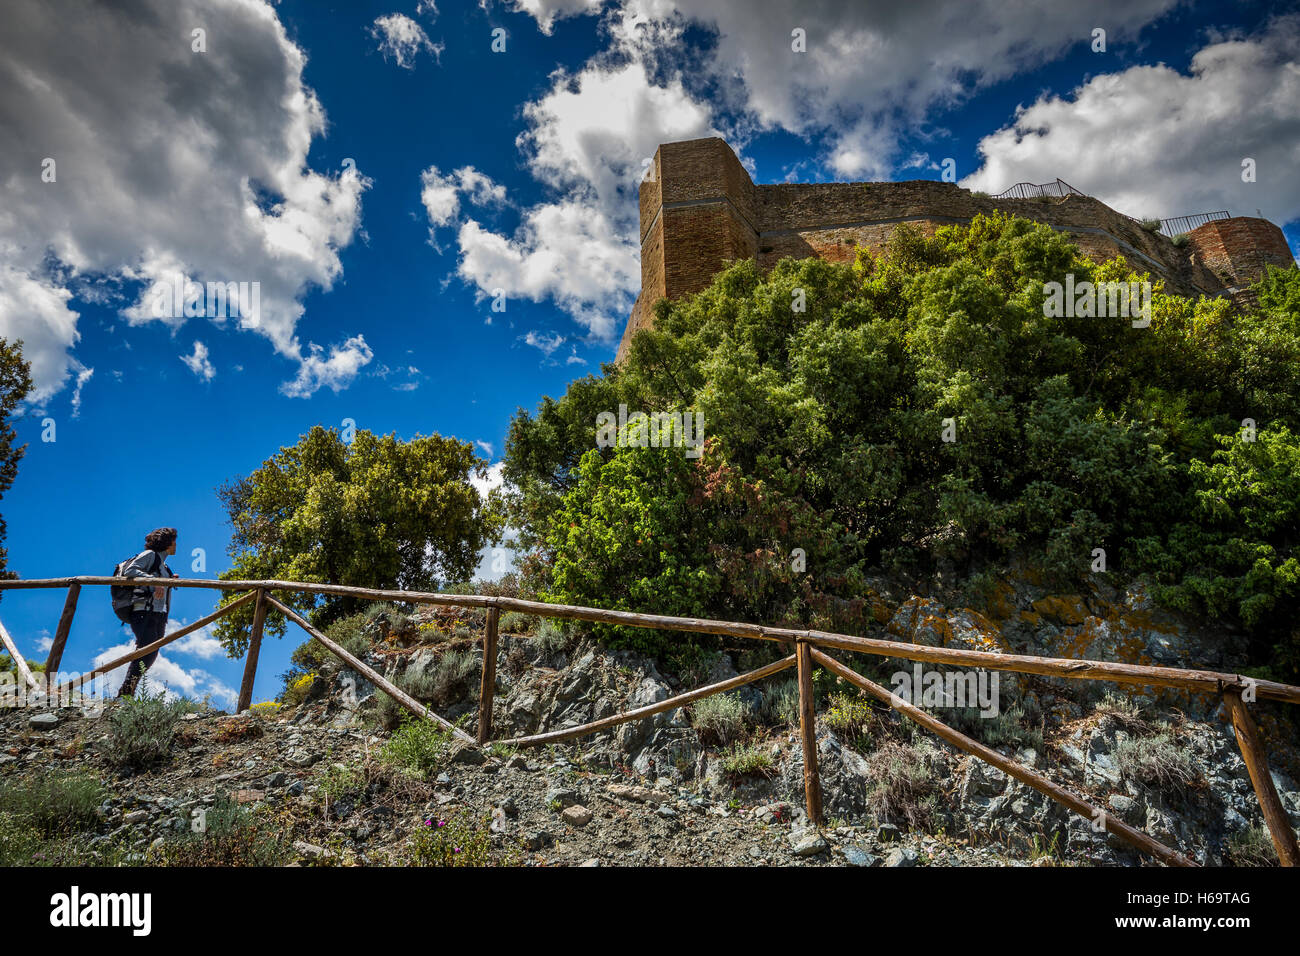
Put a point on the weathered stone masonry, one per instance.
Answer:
(701, 211)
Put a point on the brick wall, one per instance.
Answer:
(1237, 250)
(700, 211)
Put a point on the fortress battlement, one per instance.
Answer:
(700, 211)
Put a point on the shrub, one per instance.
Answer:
(417, 747)
(904, 788)
(454, 668)
(1181, 240)
(453, 840)
(720, 718)
(267, 708)
(393, 615)
(1151, 225)
(141, 728)
(781, 702)
(54, 805)
(20, 842)
(1157, 761)
(339, 780)
(296, 686)
(551, 638)
(1250, 847)
(1126, 712)
(1008, 726)
(388, 712)
(351, 633)
(851, 717)
(442, 680)
(515, 622)
(232, 835)
(746, 762)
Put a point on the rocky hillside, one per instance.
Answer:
(332, 776)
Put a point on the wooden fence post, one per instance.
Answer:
(1252, 751)
(812, 786)
(61, 633)
(254, 648)
(487, 687)
(365, 670)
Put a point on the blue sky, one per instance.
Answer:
(472, 171)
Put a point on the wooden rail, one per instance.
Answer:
(810, 649)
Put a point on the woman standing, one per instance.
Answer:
(149, 605)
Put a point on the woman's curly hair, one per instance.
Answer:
(160, 539)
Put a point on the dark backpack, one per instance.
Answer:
(124, 595)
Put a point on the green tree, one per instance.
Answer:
(378, 512)
(15, 383)
(824, 430)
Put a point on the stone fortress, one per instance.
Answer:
(701, 211)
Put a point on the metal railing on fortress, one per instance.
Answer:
(810, 647)
(1181, 224)
(1056, 188)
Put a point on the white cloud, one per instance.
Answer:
(587, 139)
(164, 675)
(35, 309)
(44, 642)
(493, 479)
(441, 194)
(197, 362)
(168, 677)
(871, 69)
(83, 375)
(566, 251)
(1151, 141)
(486, 446)
(546, 12)
(546, 343)
(337, 371)
(200, 643)
(103, 91)
(403, 39)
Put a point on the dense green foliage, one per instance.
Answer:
(15, 383)
(377, 512)
(825, 433)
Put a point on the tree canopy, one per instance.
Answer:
(15, 383)
(825, 433)
(377, 512)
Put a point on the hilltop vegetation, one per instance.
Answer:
(825, 433)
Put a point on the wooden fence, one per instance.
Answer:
(810, 648)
